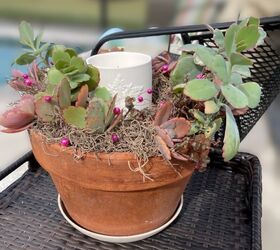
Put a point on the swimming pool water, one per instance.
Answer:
(9, 51)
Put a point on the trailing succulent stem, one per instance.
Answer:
(220, 84)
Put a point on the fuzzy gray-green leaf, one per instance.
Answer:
(253, 91)
(234, 96)
(75, 116)
(26, 34)
(230, 45)
(200, 90)
(185, 67)
(231, 138)
(54, 76)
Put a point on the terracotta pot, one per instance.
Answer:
(109, 198)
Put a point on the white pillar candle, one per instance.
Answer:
(125, 74)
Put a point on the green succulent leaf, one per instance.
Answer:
(44, 110)
(213, 128)
(195, 127)
(64, 94)
(75, 116)
(243, 70)
(78, 63)
(235, 78)
(26, 58)
(60, 55)
(95, 117)
(50, 89)
(219, 38)
(249, 21)
(206, 55)
(184, 67)
(262, 36)
(220, 68)
(94, 77)
(110, 114)
(211, 107)
(253, 92)
(230, 39)
(198, 115)
(26, 34)
(231, 138)
(55, 76)
(239, 59)
(71, 52)
(249, 36)
(80, 78)
(103, 93)
(179, 88)
(200, 90)
(234, 96)
(61, 65)
(38, 40)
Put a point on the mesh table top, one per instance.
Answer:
(222, 210)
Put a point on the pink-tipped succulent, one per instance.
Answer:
(21, 81)
(169, 131)
(19, 117)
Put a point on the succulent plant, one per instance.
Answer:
(68, 65)
(220, 83)
(168, 130)
(36, 50)
(19, 117)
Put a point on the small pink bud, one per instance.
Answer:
(27, 82)
(115, 138)
(164, 68)
(140, 98)
(116, 110)
(149, 91)
(47, 98)
(25, 76)
(65, 142)
(200, 76)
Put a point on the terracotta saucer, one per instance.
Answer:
(118, 239)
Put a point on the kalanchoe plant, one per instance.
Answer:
(221, 84)
(204, 87)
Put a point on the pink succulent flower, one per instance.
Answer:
(20, 116)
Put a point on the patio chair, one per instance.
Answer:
(222, 206)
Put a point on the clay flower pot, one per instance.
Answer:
(103, 195)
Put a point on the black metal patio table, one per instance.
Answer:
(222, 206)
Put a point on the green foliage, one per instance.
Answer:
(36, 50)
(75, 116)
(44, 110)
(234, 96)
(225, 70)
(96, 115)
(231, 138)
(68, 65)
(253, 92)
(211, 107)
(185, 69)
(200, 90)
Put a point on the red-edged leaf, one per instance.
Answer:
(163, 113)
(82, 97)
